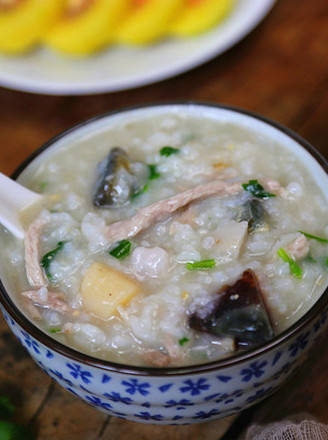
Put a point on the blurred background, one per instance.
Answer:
(276, 65)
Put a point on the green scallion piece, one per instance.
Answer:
(154, 174)
(314, 237)
(295, 269)
(47, 258)
(167, 151)
(256, 189)
(122, 250)
(183, 341)
(199, 265)
(55, 330)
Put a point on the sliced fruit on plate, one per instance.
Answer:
(86, 25)
(23, 22)
(200, 15)
(147, 21)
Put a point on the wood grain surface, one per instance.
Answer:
(281, 71)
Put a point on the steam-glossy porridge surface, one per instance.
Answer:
(179, 266)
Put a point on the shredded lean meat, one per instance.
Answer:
(276, 188)
(34, 272)
(51, 300)
(40, 295)
(152, 213)
(299, 248)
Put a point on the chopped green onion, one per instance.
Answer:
(203, 264)
(43, 185)
(309, 259)
(295, 270)
(55, 330)
(314, 237)
(122, 250)
(256, 189)
(47, 258)
(141, 191)
(183, 340)
(167, 151)
(154, 174)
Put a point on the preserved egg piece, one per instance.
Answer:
(239, 312)
(118, 180)
(254, 213)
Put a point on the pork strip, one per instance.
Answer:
(34, 272)
(150, 214)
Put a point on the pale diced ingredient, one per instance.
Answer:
(104, 289)
(230, 239)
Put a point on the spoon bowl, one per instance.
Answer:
(15, 200)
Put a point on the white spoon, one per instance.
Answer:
(14, 199)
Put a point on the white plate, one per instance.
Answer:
(125, 68)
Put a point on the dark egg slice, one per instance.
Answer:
(236, 311)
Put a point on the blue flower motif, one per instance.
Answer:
(49, 354)
(321, 321)
(147, 416)
(61, 377)
(133, 386)
(195, 388)
(165, 387)
(105, 378)
(96, 401)
(224, 379)
(116, 397)
(276, 358)
(206, 415)
(255, 369)
(78, 372)
(259, 393)
(182, 404)
(30, 342)
(177, 417)
(300, 343)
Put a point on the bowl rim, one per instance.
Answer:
(317, 310)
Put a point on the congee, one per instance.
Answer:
(169, 237)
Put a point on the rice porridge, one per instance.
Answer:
(169, 238)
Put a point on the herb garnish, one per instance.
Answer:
(167, 151)
(55, 330)
(47, 258)
(203, 264)
(122, 250)
(154, 174)
(314, 237)
(183, 341)
(256, 189)
(295, 269)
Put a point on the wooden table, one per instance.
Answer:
(281, 71)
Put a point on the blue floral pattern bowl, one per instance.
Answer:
(181, 395)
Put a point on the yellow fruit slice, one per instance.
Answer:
(86, 26)
(103, 289)
(147, 21)
(200, 15)
(23, 22)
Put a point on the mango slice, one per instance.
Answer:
(147, 21)
(86, 26)
(103, 289)
(23, 22)
(200, 15)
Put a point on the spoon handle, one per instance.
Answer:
(13, 199)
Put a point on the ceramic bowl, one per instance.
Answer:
(181, 395)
